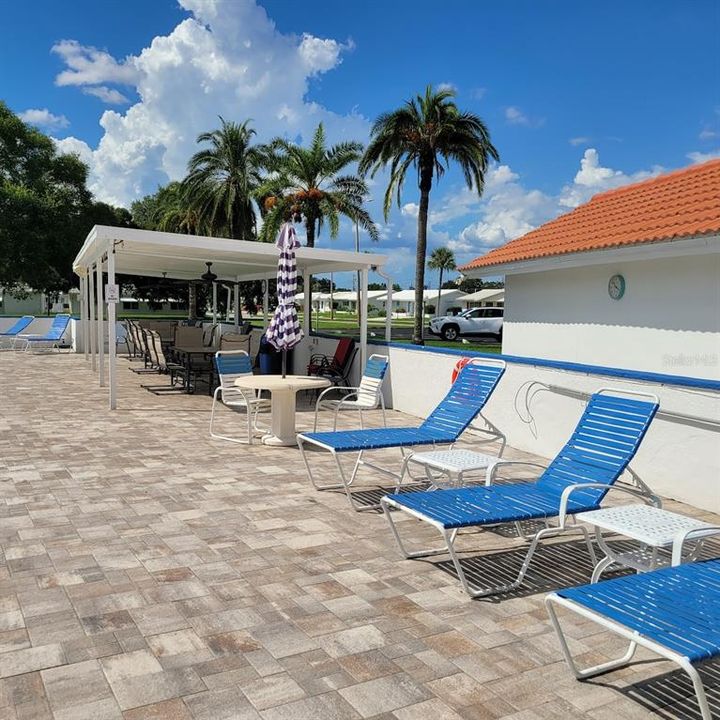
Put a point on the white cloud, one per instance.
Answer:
(73, 145)
(42, 117)
(701, 157)
(515, 116)
(106, 94)
(228, 59)
(478, 93)
(593, 178)
(86, 65)
(580, 140)
(707, 133)
(411, 209)
(447, 86)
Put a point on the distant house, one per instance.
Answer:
(630, 279)
(39, 303)
(403, 301)
(490, 297)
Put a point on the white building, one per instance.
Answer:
(403, 301)
(629, 280)
(490, 297)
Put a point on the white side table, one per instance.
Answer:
(653, 528)
(452, 463)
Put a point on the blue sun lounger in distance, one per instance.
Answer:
(462, 404)
(674, 612)
(14, 330)
(50, 340)
(606, 438)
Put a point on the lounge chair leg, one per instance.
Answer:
(414, 554)
(308, 469)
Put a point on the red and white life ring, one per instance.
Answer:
(459, 365)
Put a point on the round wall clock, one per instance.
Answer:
(616, 287)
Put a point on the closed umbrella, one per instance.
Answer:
(284, 330)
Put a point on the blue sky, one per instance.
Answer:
(579, 97)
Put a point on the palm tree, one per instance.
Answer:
(223, 178)
(426, 133)
(441, 259)
(306, 185)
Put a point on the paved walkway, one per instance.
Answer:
(151, 572)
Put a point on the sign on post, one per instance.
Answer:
(112, 294)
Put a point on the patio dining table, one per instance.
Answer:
(186, 354)
(283, 395)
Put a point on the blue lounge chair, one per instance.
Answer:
(674, 612)
(50, 340)
(463, 402)
(14, 330)
(606, 438)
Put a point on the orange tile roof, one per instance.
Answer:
(679, 204)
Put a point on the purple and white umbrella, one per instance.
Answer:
(284, 330)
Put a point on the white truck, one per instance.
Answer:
(473, 322)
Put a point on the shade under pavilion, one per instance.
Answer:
(150, 253)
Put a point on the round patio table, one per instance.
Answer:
(282, 408)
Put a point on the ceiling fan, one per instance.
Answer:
(208, 276)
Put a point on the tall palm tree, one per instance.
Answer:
(441, 259)
(306, 185)
(222, 180)
(427, 133)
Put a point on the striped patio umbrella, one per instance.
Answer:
(284, 330)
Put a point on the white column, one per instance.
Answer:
(388, 311)
(228, 304)
(100, 323)
(363, 317)
(214, 301)
(112, 334)
(92, 335)
(266, 303)
(83, 315)
(236, 304)
(307, 309)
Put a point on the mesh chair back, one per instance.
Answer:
(230, 365)
(19, 325)
(466, 397)
(235, 341)
(188, 336)
(58, 327)
(606, 438)
(209, 335)
(372, 380)
(156, 349)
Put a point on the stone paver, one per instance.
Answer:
(151, 573)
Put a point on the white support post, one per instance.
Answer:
(236, 304)
(100, 323)
(266, 302)
(214, 301)
(363, 317)
(84, 315)
(388, 311)
(228, 304)
(112, 333)
(92, 335)
(307, 309)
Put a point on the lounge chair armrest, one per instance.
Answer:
(500, 463)
(562, 513)
(336, 388)
(693, 534)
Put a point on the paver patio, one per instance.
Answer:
(151, 572)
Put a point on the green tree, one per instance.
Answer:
(441, 259)
(306, 185)
(426, 134)
(223, 179)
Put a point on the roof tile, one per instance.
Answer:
(678, 204)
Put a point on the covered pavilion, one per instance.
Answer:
(118, 250)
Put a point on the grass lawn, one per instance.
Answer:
(493, 348)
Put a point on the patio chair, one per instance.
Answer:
(162, 365)
(463, 402)
(236, 341)
(337, 367)
(230, 365)
(602, 445)
(7, 338)
(367, 396)
(49, 341)
(673, 612)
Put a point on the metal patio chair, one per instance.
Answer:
(604, 442)
(462, 404)
(7, 338)
(49, 341)
(230, 365)
(367, 396)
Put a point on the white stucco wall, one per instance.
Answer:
(668, 320)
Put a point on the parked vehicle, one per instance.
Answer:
(472, 322)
